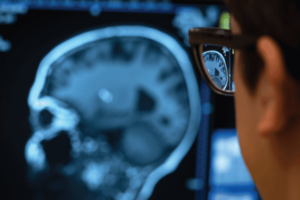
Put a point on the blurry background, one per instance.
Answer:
(30, 29)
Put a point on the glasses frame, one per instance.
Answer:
(216, 36)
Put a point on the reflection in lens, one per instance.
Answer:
(216, 68)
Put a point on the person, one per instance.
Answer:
(266, 86)
(267, 94)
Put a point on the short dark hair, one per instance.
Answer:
(279, 19)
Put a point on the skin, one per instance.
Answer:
(268, 123)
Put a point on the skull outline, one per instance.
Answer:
(67, 119)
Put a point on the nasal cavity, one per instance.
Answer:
(145, 102)
(58, 149)
(45, 117)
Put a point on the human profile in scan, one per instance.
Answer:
(112, 111)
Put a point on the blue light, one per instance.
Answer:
(93, 175)
(194, 184)
(95, 10)
(35, 155)
(92, 6)
(90, 145)
(232, 195)
(13, 8)
(191, 17)
(5, 45)
(228, 169)
(99, 170)
(105, 95)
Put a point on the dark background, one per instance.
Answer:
(32, 37)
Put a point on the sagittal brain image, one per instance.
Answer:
(106, 114)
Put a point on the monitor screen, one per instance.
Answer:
(228, 175)
(101, 99)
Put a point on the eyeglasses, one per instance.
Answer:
(213, 49)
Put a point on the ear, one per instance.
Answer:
(271, 96)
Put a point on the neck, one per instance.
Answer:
(282, 176)
(293, 183)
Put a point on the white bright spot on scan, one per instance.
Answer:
(35, 155)
(93, 175)
(105, 95)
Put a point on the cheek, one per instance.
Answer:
(244, 112)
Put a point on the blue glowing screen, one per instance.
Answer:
(109, 103)
(225, 195)
(112, 110)
(229, 177)
(227, 165)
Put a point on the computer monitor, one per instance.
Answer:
(228, 175)
(101, 99)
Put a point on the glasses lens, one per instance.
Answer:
(218, 65)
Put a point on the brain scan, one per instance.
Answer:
(112, 111)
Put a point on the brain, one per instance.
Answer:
(107, 113)
(130, 84)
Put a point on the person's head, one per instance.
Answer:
(112, 113)
(267, 96)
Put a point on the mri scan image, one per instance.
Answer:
(112, 111)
